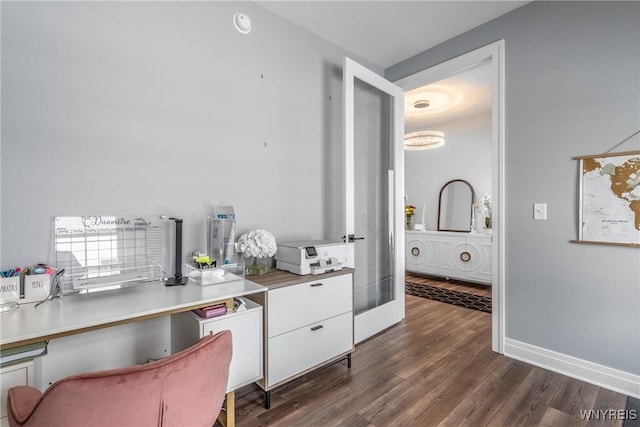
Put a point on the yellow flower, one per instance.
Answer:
(409, 210)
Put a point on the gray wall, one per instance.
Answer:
(572, 88)
(465, 155)
(164, 108)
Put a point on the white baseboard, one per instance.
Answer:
(600, 375)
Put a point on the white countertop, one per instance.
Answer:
(449, 233)
(77, 313)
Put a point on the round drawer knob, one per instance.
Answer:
(465, 256)
(415, 251)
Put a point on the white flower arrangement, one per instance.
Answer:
(484, 204)
(257, 244)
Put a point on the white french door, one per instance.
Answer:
(374, 178)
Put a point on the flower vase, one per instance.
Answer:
(408, 223)
(487, 222)
(259, 266)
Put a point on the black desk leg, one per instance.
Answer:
(267, 399)
(349, 361)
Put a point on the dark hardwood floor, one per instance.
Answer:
(434, 368)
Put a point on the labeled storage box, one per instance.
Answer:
(9, 289)
(36, 286)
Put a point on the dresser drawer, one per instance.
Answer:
(306, 347)
(295, 306)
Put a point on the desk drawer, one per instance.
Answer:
(295, 306)
(246, 334)
(12, 376)
(304, 348)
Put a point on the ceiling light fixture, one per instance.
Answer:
(423, 103)
(426, 139)
(423, 140)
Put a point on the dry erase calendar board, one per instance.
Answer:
(99, 251)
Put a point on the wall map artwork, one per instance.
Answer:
(610, 199)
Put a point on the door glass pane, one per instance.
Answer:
(373, 279)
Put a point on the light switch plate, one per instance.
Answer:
(540, 211)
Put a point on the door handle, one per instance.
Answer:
(352, 238)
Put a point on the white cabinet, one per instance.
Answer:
(12, 376)
(463, 256)
(246, 332)
(480, 265)
(422, 254)
(308, 324)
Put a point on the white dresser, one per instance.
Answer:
(308, 324)
(462, 256)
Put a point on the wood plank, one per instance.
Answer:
(453, 420)
(482, 404)
(530, 400)
(554, 417)
(607, 400)
(574, 396)
(436, 367)
(342, 406)
(437, 403)
(408, 397)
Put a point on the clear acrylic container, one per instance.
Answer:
(216, 275)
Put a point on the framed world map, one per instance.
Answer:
(610, 199)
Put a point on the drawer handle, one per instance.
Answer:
(316, 285)
(315, 328)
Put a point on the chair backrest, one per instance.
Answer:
(187, 388)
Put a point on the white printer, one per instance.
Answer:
(311, 256)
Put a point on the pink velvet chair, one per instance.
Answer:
(184, 389)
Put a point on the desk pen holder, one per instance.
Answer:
(36, 287)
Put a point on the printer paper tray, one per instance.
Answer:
(304, 270)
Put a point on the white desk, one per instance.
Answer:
(75, 314)
(115, 321)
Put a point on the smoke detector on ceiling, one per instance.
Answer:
(242, 23)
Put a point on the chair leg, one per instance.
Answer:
(231, 409)
(227, 417)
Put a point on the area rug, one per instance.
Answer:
(460, 299)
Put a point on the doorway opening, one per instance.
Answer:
(454, 254)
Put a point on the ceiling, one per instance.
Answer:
(462, 95)
(388, 32)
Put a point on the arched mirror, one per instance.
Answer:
(455, 209)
